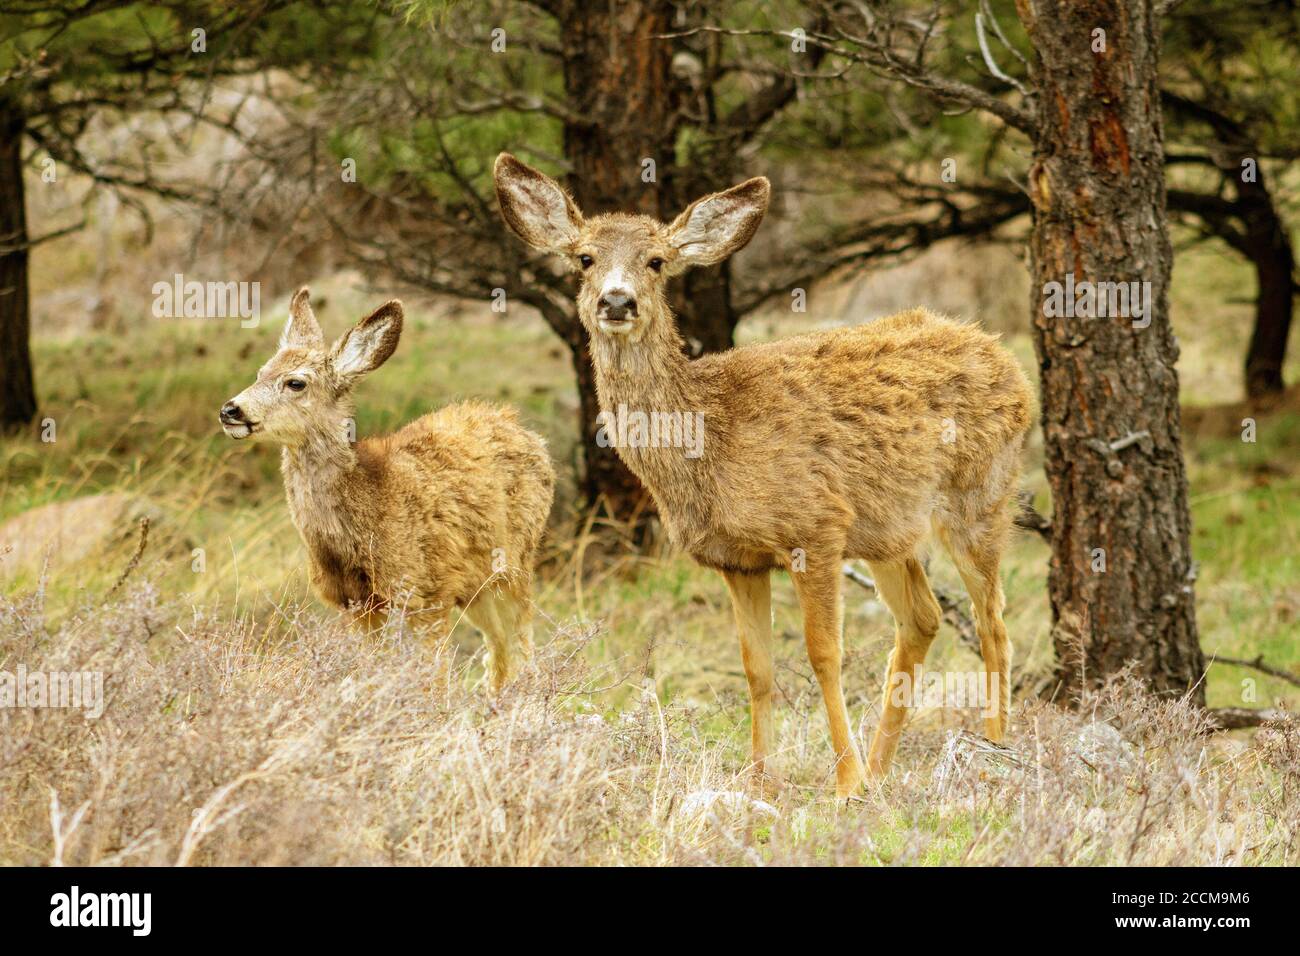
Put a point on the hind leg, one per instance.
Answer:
(506, 617)
(492, 615)
(904, 588)
(517, 616)
(976, 549)
(751, 601)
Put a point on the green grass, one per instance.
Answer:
(1245, 515)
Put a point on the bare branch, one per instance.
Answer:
(1238, 718)
(949, 603)
(1259, 665)
(890, 64)
(988, 54)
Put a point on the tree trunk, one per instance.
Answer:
(1121, 574)
(621, 91)
(1269, 248)
(705, 315)
(1262, 238)
(17, 391)
(619, 87)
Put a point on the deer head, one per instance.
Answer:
(305, 389)
(626, 260)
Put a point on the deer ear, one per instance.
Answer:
(368, 346)
(535, 206)
(714, 227)
(302, 330)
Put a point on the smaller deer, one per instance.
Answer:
(446, 512)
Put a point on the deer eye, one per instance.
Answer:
(656, 263)
(295, 384)
(585, 261)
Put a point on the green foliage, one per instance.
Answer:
(58, 60)
(1240, 60)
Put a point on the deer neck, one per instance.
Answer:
(320, 482)
(653, 376)
(650, 374)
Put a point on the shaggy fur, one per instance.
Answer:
(446, 512)
(848, 443)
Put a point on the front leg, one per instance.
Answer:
(819, 596)
(751, 600)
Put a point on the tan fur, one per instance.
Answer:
(446, 512)
(818, 448)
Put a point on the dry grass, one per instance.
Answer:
(290, 741)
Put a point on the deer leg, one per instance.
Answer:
(487, 614)
(517, 615)
(903, 586)
(819, 597)
(524, 626)
(751, 600)
(977, 559)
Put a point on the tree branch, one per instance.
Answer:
(1259, 665)
(1238, 718)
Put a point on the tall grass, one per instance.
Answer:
(232, 740)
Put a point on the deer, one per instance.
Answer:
(848, 443)
(447, 512)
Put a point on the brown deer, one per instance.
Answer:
(847, 443)
(446, 512)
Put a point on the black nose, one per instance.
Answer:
(616, 306)
(231, 413)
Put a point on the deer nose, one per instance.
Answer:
(231, 413)
(616, 305)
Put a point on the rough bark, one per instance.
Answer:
(17, 389)
(625, 102)
(1113, 451)
(618, 82)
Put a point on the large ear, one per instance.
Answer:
(535, 206)
(714, 227)
(302, 330)
(368, 346)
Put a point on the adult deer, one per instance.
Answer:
(446, 512)
(847, 443)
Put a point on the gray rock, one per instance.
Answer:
(67, 532)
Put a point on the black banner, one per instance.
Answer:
(335, 906)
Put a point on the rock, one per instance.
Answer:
(969, 765)
(1094, 821)
(1100, 743)
(727, 801)
(68, 532)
